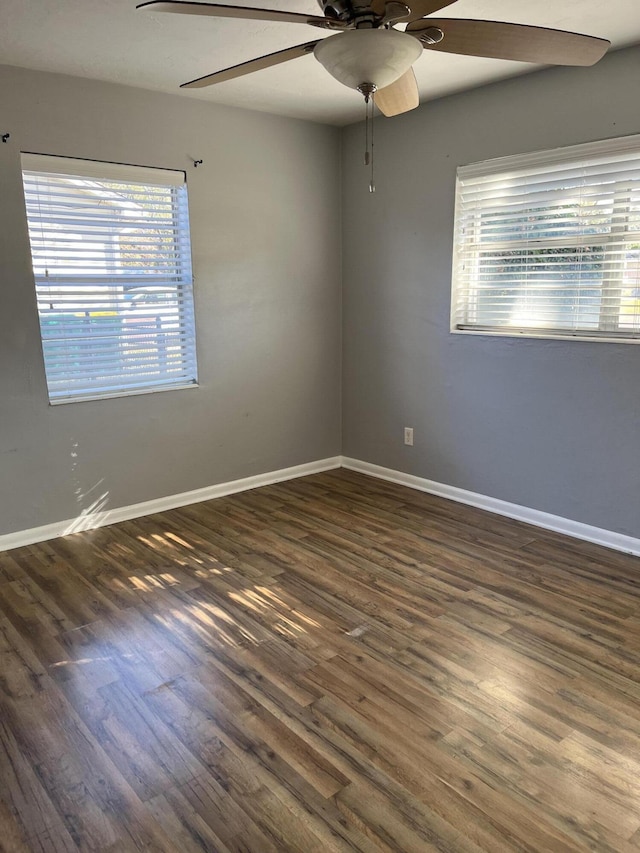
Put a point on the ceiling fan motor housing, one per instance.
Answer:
(338, 10)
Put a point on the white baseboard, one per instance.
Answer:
(99, 517)
(608, 538)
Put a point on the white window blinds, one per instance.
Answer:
(548, 244)
(112, 267)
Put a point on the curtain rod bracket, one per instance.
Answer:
(6, 137)
(197, 163)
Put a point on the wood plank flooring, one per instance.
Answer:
(330, 664)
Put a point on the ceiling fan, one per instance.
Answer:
(367, 53)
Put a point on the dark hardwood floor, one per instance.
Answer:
(330, 664)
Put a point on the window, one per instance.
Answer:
(112, 268)
(548, 244)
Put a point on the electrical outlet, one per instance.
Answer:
(408, 436)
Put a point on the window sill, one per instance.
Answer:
(542, 335)
(133, 393)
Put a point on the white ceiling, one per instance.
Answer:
(109, 40)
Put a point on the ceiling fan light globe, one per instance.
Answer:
(378, 57)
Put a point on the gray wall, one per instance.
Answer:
(546, 424)
(266, 252)
(551, 425)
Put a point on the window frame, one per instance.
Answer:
(571, 155)
(118, 286)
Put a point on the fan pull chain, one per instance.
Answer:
(366, 130)
(372, 183)
(368, 137)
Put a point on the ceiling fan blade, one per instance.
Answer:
(250, 66)
(417, 8)
(399, 97)
(499, 40)
(216, 10)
